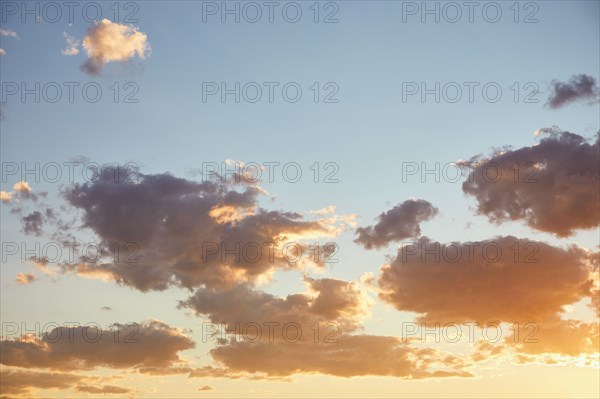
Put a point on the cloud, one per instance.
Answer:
(337, 307)
(25, 278)
(106, 308)
(22, 187)
(578, 88)
(72, 45)
(397, 224)
(20, 382)
(21, 190)
(151, 344)
(505, 279)
(105, 389)
(327, 300)
(350, 356)
(551, 186)
(33, 223)
(8, 33)
(5, 196)
(206, 388)
(565, 337)
(184, 233)
(108, 41)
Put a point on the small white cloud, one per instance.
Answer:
(8, 33)
(109, 41)
(72, 45)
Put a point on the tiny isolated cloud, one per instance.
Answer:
(25, 278)
(72, 45)
(578, 88)
(8, 33)
(108, 41)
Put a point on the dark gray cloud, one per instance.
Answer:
(578, 88)
(180, 232)
(551, 186)
(397, 224)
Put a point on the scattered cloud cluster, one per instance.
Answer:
(20, 190)
(72, 45)
(7, 33)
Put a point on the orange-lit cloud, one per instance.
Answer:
(504, 279)
(150, 344)
(25, 278)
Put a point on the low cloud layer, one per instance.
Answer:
(327, 300)
(399, 223)
(152, 344)
(551, 186)
(338, 307)
(578, 88)
(108, 41)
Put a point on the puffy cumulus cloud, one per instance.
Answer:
(152, 344)
(24, 382)
(108, 41)
(551, 186)
(72, 45)
(206, 388)
(500, 280)
(22, 187)
(350, 356)
(326, 301)
(2, 52)
(20, 190)
(186, 233)
(25, 278)
(579, 88)
(5, 196)
(397, 224)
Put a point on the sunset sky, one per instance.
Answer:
(425, 224)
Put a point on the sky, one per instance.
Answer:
(299, 199)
